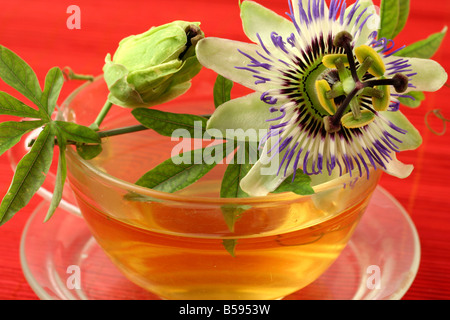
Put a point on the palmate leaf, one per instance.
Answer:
(53, 85)
(9, 105)
(32, 168)
(29, 175)
(19, 75)
(12, 131)
(88, 142)
(77, 133)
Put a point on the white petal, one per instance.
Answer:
(305, 6)
(430, 75)
(371, 25)
(257, 184)
(263, 177)
(257, 19)
(222, 56)
(247, 115)
(397, 168)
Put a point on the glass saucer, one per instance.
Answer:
(380, 261)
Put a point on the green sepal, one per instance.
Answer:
(115, 76)
(149, 79)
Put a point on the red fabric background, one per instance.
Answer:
(36, 30)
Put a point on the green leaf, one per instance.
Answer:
(13, 107)
(222, 90)
(412, 103)
(61, 175)
(403, 14)
(53, 85)
(231, 213)
(230, 246)
(171, 175)
(89, 151)
(230, 183)
(19, 75)
(424, 49)
(77, 133)
(230, 188)
(389, 15)
(301, 184)
(165, 123)
(29, 175)
(242, 163)
(11, 132)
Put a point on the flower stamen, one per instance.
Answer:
(351, 86)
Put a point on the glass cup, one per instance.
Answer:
(175, 245)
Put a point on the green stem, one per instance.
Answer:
(118, 131)
(104, 134)
(70, 75)
(101, 116)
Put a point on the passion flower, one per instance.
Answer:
(331, 86)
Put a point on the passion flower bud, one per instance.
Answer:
(153, 67)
